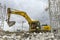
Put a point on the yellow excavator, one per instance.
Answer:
(34, 25)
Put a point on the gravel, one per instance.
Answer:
(31, 36)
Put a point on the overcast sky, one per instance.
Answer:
(34, 8)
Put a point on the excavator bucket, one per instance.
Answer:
(11, 23)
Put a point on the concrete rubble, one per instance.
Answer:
(31, 36)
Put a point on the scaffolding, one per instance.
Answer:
(2, 15)
(54, 10)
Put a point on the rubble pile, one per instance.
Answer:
(31, 36)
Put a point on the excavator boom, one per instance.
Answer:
(18, 13)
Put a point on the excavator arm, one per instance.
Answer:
(33, 24)
(24, 14)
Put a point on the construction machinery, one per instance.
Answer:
(34, 25)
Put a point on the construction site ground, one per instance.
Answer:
(29, 36)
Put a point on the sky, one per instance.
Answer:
(34, 8)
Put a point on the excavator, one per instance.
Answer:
(34, 25)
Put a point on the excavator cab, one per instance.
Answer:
(35, 26)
